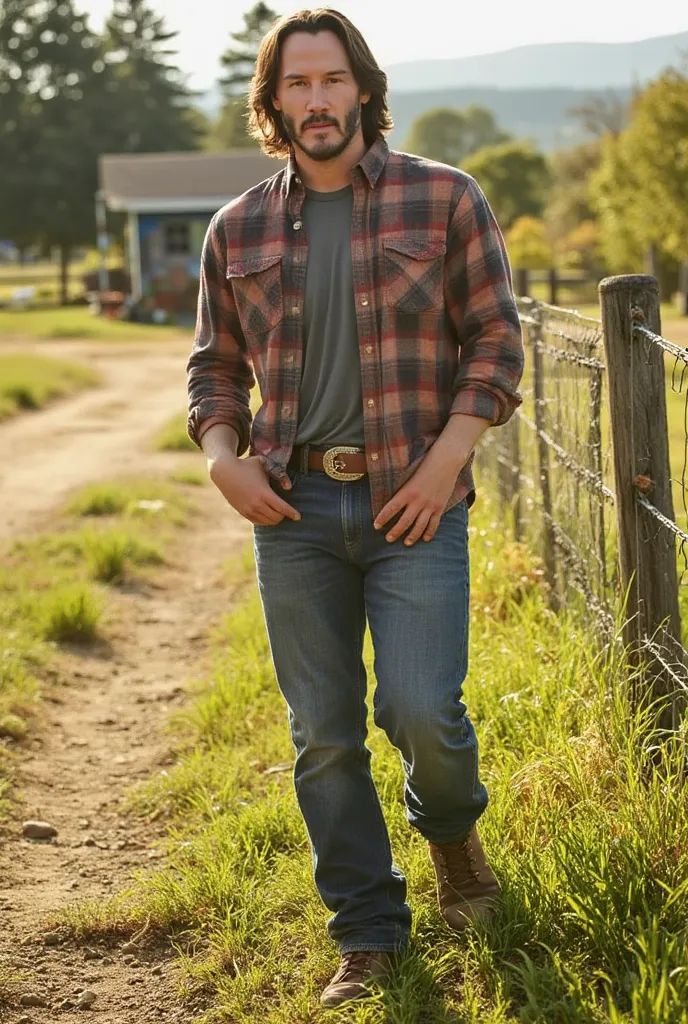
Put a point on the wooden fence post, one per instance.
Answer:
(521, 281)
(640, 440)
(553, 289)
(535, 333)
(516, 477)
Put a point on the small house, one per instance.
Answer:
(169, 200)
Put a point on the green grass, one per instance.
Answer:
(54, 589)
(587, 840)
(29, 381)
(134, 499)
(173, 437)
(190, 476)
(77, 322)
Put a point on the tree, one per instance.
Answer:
(451, 135)
(657, 137)
(239, 59)
(570, 203)
(151, 104)
(514, 177)
(55, 63)
(19, 133)
(640, 192)
(602, 114)
(239, 62)
(528, 245)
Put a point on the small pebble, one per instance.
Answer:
(32, 999)
(92, 954)
(38, 830)
(86, 999)
(51, 938)
(130, 947)
(157, 969)
(67, 1004)
(25, 1020)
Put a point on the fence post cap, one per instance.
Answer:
(629, 283)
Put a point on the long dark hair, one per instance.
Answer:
(265, 123)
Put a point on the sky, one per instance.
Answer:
(448, 28)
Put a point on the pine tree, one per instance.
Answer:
(239, 61)
(18, 128)
(53, 65)
(151, 103)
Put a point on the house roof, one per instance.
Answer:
(159, 182)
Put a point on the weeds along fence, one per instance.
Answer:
(587, 471)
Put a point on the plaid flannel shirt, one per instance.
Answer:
(438, 327)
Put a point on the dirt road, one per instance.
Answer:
(44, 454)
(102, 728)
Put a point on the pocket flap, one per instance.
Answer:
(418, 249)
(252, 264)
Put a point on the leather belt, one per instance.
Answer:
(343, 462)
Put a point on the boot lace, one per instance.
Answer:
(458, 860)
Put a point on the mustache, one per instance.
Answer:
(319, 121)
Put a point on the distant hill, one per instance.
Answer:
(542, 66)
(538, 114)
(530, 89)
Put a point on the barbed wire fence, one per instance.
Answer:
(583, 470)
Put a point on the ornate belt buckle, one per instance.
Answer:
(334, 465)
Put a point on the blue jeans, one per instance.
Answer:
(319, 578)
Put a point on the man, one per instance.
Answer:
(370, 293)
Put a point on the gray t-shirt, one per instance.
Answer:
(330, 399)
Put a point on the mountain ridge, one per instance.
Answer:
(545, 65)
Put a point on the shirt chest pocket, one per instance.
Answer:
(257, 285)
(414, 273)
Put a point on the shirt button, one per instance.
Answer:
(364, 300)
(286, 409)
(289, 359)
(298, 225)
(295, 310)
(369, 349)
(371, 403)
(375, 456)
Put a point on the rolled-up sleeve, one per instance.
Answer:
(482, 308)
(219, 372)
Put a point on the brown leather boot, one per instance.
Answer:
(466, 886)
(358, 971)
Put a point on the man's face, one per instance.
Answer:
(317, 95)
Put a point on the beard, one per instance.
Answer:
(321, 150)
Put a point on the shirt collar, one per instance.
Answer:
(372, 163)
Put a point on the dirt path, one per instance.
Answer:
(103, 726)
(43, 455)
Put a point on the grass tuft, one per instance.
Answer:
(69, 614)
(109, 554)
(12, 726)
(190, 477)
(132, 498)
(173, 437)
(30, 381)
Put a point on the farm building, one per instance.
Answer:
(169, 199)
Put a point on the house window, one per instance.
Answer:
(177, 238)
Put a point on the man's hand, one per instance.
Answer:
(245, 485)
(425, 495)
